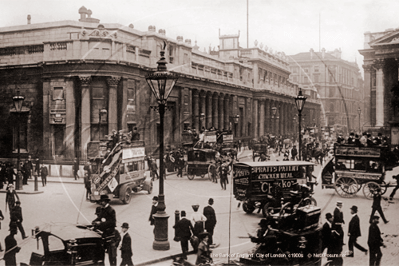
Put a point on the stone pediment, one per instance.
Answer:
(100, 32)
(391, 38)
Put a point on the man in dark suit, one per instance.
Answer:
(375, 242)
(377, 205)
(354, 232)
(210, 222)
(326, 233)
(338, 220)
(11, 248)
(16, 218)
(126, 247)
(153, 209)
(184, 229)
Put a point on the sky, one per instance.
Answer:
(289, 26)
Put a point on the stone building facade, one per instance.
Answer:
(338, 84)
(381, 53)
(70, 70)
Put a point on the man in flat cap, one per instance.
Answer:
(375, 242)
(354, 232)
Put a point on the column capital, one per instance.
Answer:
(378, 63)
(85, 80)
(367, 68)
(113, 80)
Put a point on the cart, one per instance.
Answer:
(201, 162)
(258, 148)
(270, 186)
(352, 169)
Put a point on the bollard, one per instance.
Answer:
(177, 216)
(36, 185)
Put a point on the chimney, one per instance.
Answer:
(188, 41)
(82, 12)
(162, 31)
(29, 19)
(151, 28)
(179, 38)
(323, 52)
(89, 13)
(311, 53)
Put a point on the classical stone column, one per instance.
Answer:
(380, 92)
(85, 114)
(202, 109)
(112, 103)
(262, 118)
(208, 110)
(255, 119)
(227, 112)
(367, 90)
(221, 111)
(267, 120)
(215, 112)
(196, 111)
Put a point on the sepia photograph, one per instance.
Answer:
(199, 132)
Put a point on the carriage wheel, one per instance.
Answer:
(359, 187)
(346, 187)
(369, 188)
(203, 175)
(248, 208)
(384, 187)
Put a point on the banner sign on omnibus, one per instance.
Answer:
(357, 151)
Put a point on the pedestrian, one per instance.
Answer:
(126, 246)
(11, 248)
(153, 209)
(375, 242)
(335, 249)
(10, 173)
(204, 254)
(338, 220)
(197, 220)
(326, 233)
(16, 218)
(294, 153)
(87, 168)
(44, 174)
(180, 164)
(223, 175)
(112, 243)
(183, 231)
(37, 166)
(10, 197)
(354, 232)
(377, 205)
(396, 177)
(2, 175)
(75, 168)
(1, 218)
(210, 222)
(87, 184)
(29, 167)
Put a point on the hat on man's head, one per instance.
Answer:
(339, 203)
(375, 217)
(125, 225)
(105, 198)
(17, 202)
(203, 235)
(354, 208)
(329, 215)
(155, 198)
(183, 213)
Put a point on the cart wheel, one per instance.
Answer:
(384, 187)
(267, 209)
(369, 189)
(190, 176)
(150, 187)
(211, 168)
(127, 197)
(346, 187)
(359, 187)
(203, 175)
(248, 208)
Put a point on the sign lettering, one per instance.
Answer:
(356, 151)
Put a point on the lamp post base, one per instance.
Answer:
(161, 231)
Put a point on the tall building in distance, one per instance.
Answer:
(339, 86)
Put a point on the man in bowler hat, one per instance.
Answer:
(354, 232)
(183, 229)
(210, 222)
(375, 242)
(126, 247)
(377, 205)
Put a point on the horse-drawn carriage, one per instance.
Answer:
(272, 186)
(259, 147)
(353, 168)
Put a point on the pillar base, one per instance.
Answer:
(161, 245)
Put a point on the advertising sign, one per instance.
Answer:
(357, 151)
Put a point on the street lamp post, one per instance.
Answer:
(18, 100)
(359, 111)
(201, 119)
(161, 83)
(300, 103)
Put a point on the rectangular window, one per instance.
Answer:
(316, 69)
(131, 100)
(306, 70)
(23, 131)
(316, 78)
(99, 128)
(305, 80)
(58, 93)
